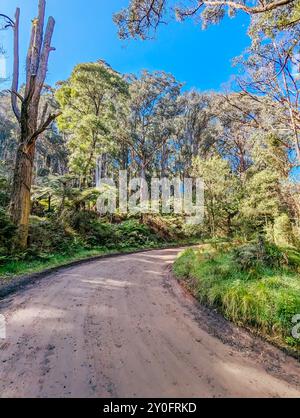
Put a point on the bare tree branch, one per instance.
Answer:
(262, 8)
(43, 64)
(37, 30)
(9, 23)
(44, 125)
(15, 80)
(143, 16)
(21, 98)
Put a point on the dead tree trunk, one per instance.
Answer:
(32, 122)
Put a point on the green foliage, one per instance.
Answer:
(77, 229)
(4, 186)
(4, 195)
(91, 229)
(148, 127)
(256, 255)
(261, 202)
(283, 231)
(48, 236)
(7, 233)
(184, 265)
(141, 18)
(222, 193)
(132, 232)
(88, 100)
(249, 288)
(96, 232)
(84, 230)
(53, 193)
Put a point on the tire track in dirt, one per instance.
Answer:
(123, 327)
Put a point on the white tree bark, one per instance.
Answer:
(28, 115)
(15, 80)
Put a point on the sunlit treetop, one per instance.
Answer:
(142, 17)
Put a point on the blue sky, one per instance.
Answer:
(85, 32)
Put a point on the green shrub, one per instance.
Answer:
(251, 256)
(7, 233)
(249, 285)
(47, 236)
(92, 230)
(134, 233)
(82, 221)
(97, 232)
(283, 231)
(4, 191)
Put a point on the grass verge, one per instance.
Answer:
(262, 296)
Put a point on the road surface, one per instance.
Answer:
(122, 327)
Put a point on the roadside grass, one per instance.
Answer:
(263, 298)
(17, 267)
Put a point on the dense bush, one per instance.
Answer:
(247, 286)
(7, 233)
(75, 231)
(92, 231)
(283, 230)
(4, 191)
(48, 236)
(97, 232)
(134, 233)
(257, 255)
(74, 234)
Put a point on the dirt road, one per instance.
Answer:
(122, 327)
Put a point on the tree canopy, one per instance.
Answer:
(142, 17)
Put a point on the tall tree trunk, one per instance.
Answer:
(20, 204)
(32, 124)
(164, 159)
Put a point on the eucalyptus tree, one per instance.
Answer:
(222, 192)
(197, 128)
(238, 119)
(50, 152)
(88, 101)
(271, 79)
(277, 20)
(142, 17)
(262, 201)
(31, 118)
(153, 107)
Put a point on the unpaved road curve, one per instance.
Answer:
(122, 327)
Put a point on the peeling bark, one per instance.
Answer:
(28, 116)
